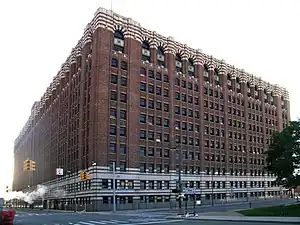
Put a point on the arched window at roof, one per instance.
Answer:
(160, 51)
(119, 34)
(146, 45)
(178, 57)
(205, 68)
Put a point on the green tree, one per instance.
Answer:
(283, 155)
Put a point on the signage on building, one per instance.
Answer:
(59, 171)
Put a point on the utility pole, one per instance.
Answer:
(114, 188)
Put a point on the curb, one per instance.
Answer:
(234, 220)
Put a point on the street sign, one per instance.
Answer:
(59, 171)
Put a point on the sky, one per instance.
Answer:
(259, 36)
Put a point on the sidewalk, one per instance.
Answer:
(236, 217)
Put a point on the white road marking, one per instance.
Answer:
(85, 223)
(118, 221)
(97, 222)
(154, 222)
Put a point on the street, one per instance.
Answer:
(141, 217)
(57, 218)
(69, 218)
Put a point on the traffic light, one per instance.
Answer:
(26, 165)
(32, 165)
(84, 176)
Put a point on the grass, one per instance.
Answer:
(289, 211)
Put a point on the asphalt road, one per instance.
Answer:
(56, 218)
(68, 218)
(44, 217)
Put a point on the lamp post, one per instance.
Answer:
(95, 179)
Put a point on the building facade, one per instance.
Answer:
(129, 96)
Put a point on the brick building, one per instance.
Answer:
(131, 96)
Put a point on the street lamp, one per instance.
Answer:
(95, 179)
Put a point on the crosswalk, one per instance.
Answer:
(125, 222)
(37, 214)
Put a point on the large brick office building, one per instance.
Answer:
(130, 96)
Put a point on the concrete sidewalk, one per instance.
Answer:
(236, 218)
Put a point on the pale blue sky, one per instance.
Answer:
(260, 36)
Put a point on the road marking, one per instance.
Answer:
(118, 221)
(85, 223)
(97, 222)
(154, 222)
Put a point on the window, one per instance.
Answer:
(113, 112)
(143, 102)
(113, 130)
(112, 147)
(114, 62)
(124, 81)
(124, 65)
(123, 97)
(119, 42)
(123, 131)
(114, 79)
(123, 149)
(166, 78)
(123, 166)
(143, 118)
(143, 134)
(142, 151)
(143, 86)
(146, 54)
(166, 122)
(113, 95)
(104, 184)
(123, 114)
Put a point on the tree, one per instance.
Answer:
(283, 155)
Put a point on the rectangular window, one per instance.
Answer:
(124, 81)
(142, 151)
(113, 130)
(123, 114)
(123, 97)
(114, 62)
(143, 102)
(123, 131)
(114, 79)
(112, 147)
(143, 86)
(113, 95)
(124, 65)
(123, 149)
